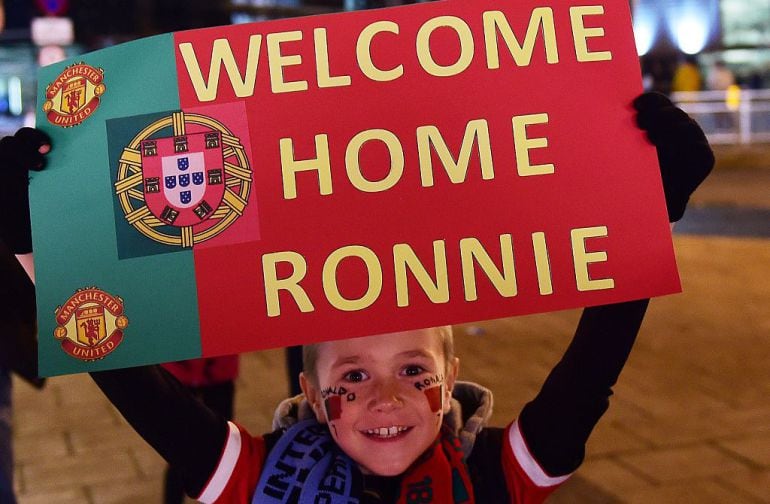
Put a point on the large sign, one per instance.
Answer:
(223, 190)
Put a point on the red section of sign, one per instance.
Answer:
(604, 181)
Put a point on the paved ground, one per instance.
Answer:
(690, 421)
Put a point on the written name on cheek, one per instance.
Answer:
(332, 391)
(473, 256)
(283, 51)
(335, 391)
(430, 382)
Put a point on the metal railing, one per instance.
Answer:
(735, 116)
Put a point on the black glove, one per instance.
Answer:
(684, 154)
(19, 153)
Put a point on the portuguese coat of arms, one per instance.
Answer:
(186, 187)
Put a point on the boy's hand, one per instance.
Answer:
(684, 153)
(23, 151)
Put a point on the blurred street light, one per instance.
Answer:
(692, 23)
(646, 21)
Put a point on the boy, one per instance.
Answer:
(385, 420)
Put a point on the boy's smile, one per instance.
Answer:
(383, 396)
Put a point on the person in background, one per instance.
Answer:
(18, 327)
(6, 452)
(294, 367)
(720, 77)
(687, 76)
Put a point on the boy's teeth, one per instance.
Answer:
(386, 431)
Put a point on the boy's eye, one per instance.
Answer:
(355, 376)
(413, 370)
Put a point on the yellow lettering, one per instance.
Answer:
(364, 56)
(466, 46)
(323, 73)
(291, 284)
(477, 130)
(542, 263)
(374, 276)
(505, 282)
(495, 21)
(222, 54)
(582, 259)
(524, 144)
(290, 166)
(580, 33)
(278, 61)
(404, 257)
(353, 167)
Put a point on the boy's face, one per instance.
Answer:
(384, 396)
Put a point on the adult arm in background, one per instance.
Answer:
(17, 319)
(178, 426)
(19, 154)
(557, 423)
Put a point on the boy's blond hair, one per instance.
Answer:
(310, 353)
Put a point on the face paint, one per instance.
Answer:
(433, 388)
(328, 391)
(430, 382)
(435, 397)
(333, 406)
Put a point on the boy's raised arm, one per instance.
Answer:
(178, 426)
(558, 422)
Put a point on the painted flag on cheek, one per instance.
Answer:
(435, 396)
(333, 406)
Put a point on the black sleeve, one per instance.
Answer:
(18, 328)
(485, 468)
(178, 426)
(558, 422)
(15, 229)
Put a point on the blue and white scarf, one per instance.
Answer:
(307, 467)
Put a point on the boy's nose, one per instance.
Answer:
(386, 397)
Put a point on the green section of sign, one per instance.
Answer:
(74, 218)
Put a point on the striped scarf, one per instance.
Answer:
(307, 467)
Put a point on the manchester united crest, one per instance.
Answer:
(74, 95)
(183, 179)
(90, 324)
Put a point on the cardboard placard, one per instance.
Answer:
(222, 190)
